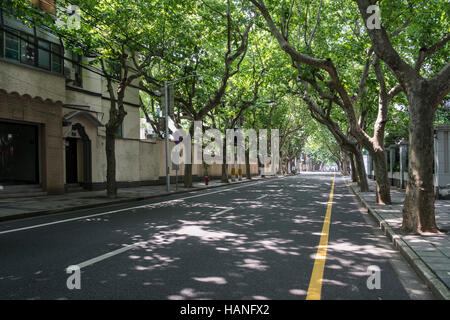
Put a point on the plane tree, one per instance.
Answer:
(333, 77)
(120, 40)
(210, 55)
(235, 105)
(419, 62)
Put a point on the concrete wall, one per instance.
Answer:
(141, 162)
(31, 81)
(148, 160)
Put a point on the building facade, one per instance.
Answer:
(52, 114)
(53, 111)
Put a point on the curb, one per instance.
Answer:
(438, 288)
(117, 202)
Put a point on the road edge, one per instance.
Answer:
(438, 288)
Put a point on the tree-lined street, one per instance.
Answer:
(220, 149)
(251, 241)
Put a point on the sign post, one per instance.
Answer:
(168, 101)
(166, 109)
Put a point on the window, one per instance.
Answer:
(11, 44)
(119, 132)
(56, 58)
(76, 64)
(44, 54)
(27, 53)
(115, 69)
(21, 47)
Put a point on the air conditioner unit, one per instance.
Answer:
(69, 73)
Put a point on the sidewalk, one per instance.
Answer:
(428, 255)
(16, 208)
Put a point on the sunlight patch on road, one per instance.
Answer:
(215, 280)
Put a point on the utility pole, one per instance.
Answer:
(168, 108)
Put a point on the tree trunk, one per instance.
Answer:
(383, 187)
(344, 168)
(359, 163)
(418, 208)
(110, 146)
(224, 165)
(353, 167)
(188, 175)
(247, 164)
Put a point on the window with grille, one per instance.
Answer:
(20, 46)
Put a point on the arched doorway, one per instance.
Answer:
(86, 156)
(78, 156)
(80, 129)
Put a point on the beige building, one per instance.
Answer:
(52, 116)
(53, 109)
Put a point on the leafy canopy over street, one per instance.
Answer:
(310, 68)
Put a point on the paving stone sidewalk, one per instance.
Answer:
(428, 255)
(15, 208)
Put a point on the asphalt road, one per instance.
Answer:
(251, 241)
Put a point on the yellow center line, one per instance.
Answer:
(315, 284)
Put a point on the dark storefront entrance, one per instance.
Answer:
(19, 153)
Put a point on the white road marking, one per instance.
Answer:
(109, 254)
(220, 212)
(130, 208)
(126, 248)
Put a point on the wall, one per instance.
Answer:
(31, 81)
(131, 122)
(142, 162)
(148, 160)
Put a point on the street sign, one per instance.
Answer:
(171, 101)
